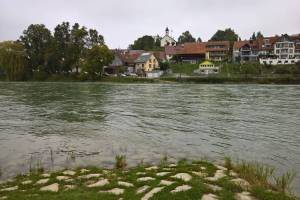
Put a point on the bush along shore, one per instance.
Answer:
(183, 180)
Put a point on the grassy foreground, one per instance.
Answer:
(184, 180)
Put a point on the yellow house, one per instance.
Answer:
(146, 62)
(208, 67)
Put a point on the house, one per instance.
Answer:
(116, 67)
(192, 52)
(217, 50)
(171, 51)
(207, 68)
(247, 50)
(145, 63)
(195, 52)
(160, 56)
(128, 58)
(286, 50)
(167, 40)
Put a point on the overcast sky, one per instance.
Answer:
(122, 21)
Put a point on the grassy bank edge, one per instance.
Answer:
(258, 175)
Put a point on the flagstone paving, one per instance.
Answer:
(51, 188)
(181, 188)
(99, 183)
(201, 181)
(183, 176)
(42, 181)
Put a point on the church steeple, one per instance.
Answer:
(167, 31)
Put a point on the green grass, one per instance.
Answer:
(130, 175)
(184, 68)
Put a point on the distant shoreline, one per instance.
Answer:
(185, 80)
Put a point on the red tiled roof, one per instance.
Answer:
(192, 48)
(255, 44)
(172, 50)
(128, 56)
(160, 55)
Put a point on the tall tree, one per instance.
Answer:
(257, 35)
(253, 37)
(94, 38)
(186, 37)
(78, 38)
(36, 39)
(13, 60)
(226, 35)
(61, 46)
(97, 57)
(199, 39)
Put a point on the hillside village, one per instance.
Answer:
(274, 50)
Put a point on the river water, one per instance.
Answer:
(69, 124)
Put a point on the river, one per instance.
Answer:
(70, 124)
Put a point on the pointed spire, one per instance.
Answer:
(167, 31)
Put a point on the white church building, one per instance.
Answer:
(167, 40)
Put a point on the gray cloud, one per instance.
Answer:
(123, 21)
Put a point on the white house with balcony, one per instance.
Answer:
(285, 52)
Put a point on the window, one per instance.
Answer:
(150, 65)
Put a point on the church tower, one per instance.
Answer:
(167, 40)
(167, 31)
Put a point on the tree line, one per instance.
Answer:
(150, 43)
(39, 52)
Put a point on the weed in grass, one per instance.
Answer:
(36, 165)
(182, 161)
(164, 160)
(228, 163)
(255, 173)
(120, 162)
(284, 182)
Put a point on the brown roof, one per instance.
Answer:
(240, 44)
(172, 50)
(254, 44)
(192, 48)
(128, 56)
(198, 47)
(160, 55)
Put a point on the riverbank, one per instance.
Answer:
(197, 80)
(183, 180)
(207, 80)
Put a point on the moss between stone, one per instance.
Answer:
(81, 191)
